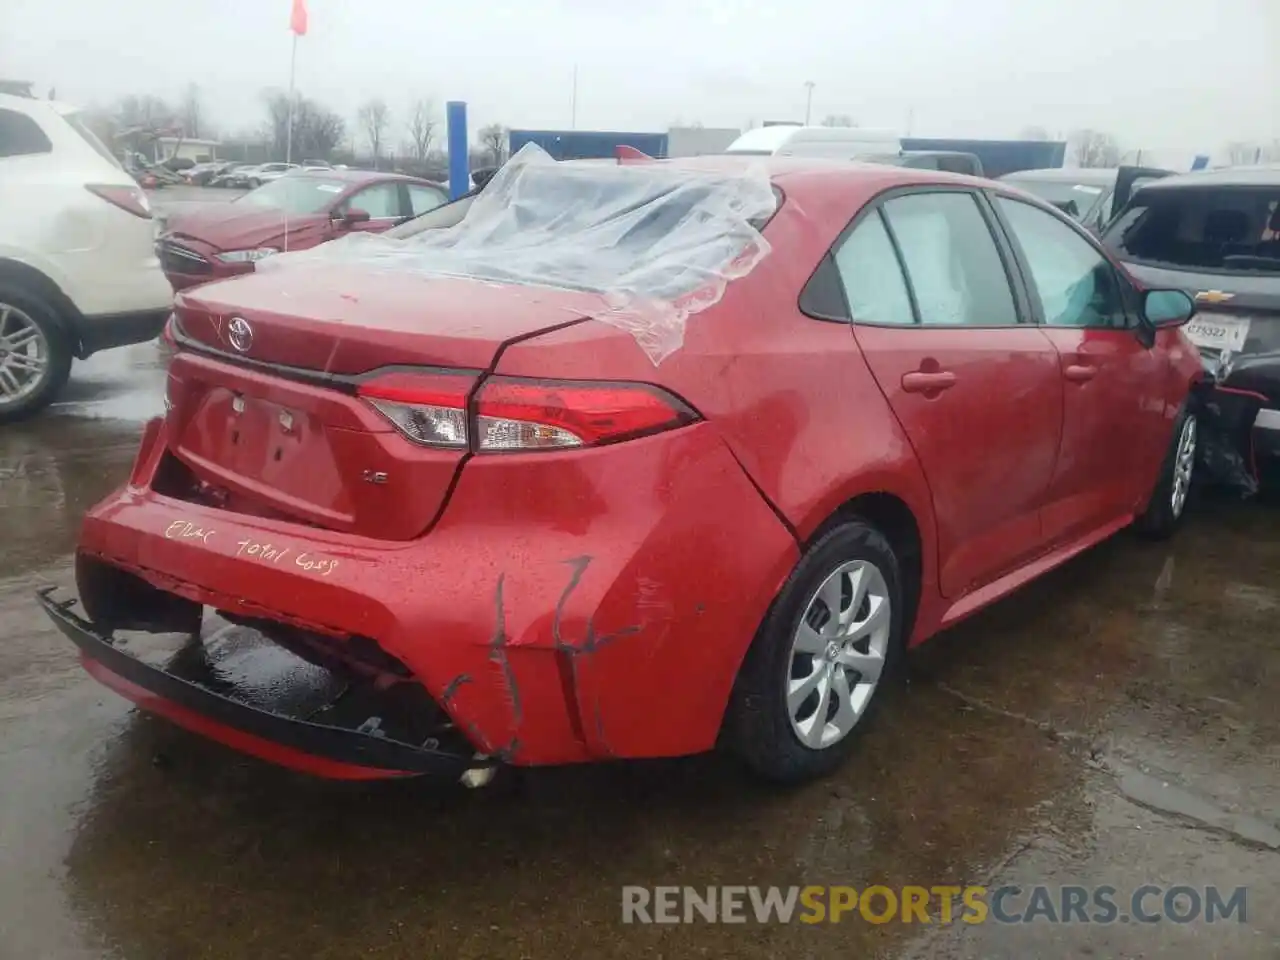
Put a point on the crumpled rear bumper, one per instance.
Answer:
(192, 691)
(1238, 401)
(564, 608)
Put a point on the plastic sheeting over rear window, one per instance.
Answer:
(658, 243)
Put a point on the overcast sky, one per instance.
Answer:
(1158, 74)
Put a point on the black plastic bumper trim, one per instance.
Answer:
(105, 331)
(319, 740)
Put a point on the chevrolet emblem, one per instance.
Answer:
(1214, 296)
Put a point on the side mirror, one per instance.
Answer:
(355, 215)
(1167, 308)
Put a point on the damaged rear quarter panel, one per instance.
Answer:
(632, 579)
(791, 396)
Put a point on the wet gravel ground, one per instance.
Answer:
(1116, 723)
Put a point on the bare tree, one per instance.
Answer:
(147, 112)
(838, 120)
(494, 142)
(139, 121)
(1033, 133)
(422, 128)
(1093, 148)
(317, 130)
(191, 113)
(1241, 154)
(373, 118)
(1247, 154)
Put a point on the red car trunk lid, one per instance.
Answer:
(350, 319)
(271, 423)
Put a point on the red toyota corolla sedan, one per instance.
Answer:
(626, 461)
(294, 212)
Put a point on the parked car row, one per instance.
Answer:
(293, 212)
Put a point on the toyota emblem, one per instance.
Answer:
(240, 334)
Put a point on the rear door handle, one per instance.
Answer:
(920, 382)
(1080, 372)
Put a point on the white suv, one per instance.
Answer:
(78, 268)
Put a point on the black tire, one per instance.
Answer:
(45, 316)
(758, 727)
(1162, 517)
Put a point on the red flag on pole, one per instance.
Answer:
(298, 21)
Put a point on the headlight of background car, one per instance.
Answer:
(247, 256)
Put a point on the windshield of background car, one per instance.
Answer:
(295, 195)
(1216, 229)
(1077, 199)
(655, 242)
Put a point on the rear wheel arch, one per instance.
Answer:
(32, 281)
(892, 516)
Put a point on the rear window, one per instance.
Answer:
(1075, 199)
(1224, 229)
(20, 136)
(76, 121)
(656, 243)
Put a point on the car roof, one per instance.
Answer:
(1099, 176)
(937, 153)
(11, 101)
(1267, 175)
(358, 176)
(784, 170)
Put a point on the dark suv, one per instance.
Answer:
(1216, 235)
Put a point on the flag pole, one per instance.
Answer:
(288, 137)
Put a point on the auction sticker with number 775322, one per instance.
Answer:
(1217, 332)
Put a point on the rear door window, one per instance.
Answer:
(20, 136)
(1215, 229)
(77, 123)
(952, 262)
(957, 165)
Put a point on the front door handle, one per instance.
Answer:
(1080, 372)
(932, 382)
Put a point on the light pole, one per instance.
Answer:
(573, 123)
(808, 105)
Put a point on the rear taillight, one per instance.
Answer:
(429, 409)
(169, 334)
(129, 199)
(537, 414)
(510, 414)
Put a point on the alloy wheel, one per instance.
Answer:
(24, 356)
(1184, 464)
(838, 653)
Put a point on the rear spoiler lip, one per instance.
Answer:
(625, 153)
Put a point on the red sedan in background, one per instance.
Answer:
(449, 478)
(295, 212)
